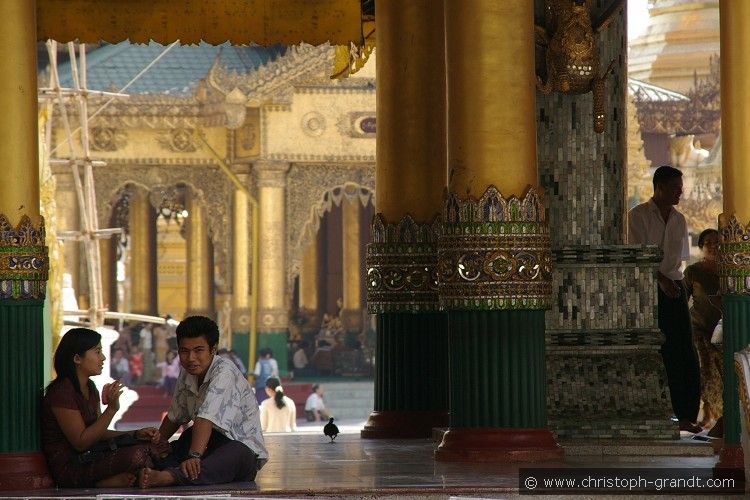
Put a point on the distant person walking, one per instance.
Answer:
(265, 367)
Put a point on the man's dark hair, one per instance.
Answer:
(704, 234)
(664, 173)
(196, 326)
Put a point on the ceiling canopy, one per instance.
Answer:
(240, 22)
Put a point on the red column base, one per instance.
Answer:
(403, 424)
(24, 471)
(731, 464)
(491, 444)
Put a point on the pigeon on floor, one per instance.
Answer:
(331, 430)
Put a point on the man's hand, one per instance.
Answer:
(191, 468)
(669, 287)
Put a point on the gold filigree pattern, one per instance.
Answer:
(734, 256)
(494, 253)
(402, 266)
(24, 264)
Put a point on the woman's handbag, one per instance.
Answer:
(102, 448)
(717, 336)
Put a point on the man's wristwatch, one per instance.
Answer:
(195, 454)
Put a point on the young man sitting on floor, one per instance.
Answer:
(225, 443)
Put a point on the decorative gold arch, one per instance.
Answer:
(312, 191)
(209, 184)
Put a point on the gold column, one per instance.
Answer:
(735, 109)
(410, 175)
(494, 249)
(19, 153)
(241, 260)
(24, 262)
(410, 178)
(308, 278)
(142, 226)
(351, 315)
(492, 91)
(272, 307)
(108, 272)
(68, 219)
(734, 222)
(199, 262)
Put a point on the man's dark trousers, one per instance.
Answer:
(678, 353)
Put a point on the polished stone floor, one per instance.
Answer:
(307, 465)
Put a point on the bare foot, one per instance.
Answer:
(150, 478)
(121, 480)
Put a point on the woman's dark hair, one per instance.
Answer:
(275, 385)
(193, 327)
(704, 234)
(75, 341)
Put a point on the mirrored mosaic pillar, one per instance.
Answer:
(411, 373)
(603, 321)
(24, 263)
(273, 311)
(494, 249)
(734, 222)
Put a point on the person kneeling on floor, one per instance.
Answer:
(225, 443)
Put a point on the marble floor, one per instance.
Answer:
(306, 465)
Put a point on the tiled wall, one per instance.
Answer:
(605, 375)
(582, 172)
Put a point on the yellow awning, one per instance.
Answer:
(263, 22)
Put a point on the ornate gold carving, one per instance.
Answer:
(402, 266)
(572, 57)
(271, 320)
(313, 190)
(275, 79)
(24, 264)
(494, 253)
(699, 114)
(213, 190)
(107, 139)
(734, 256)
(178, 140)
(313, 123)
(270, 173)
(359, 124)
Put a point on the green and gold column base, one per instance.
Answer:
(411, 375)
(734, 281)
(241, 346)
(23, 275)
(495, 282)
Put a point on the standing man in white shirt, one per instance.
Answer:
(657, 222)
(225, 443)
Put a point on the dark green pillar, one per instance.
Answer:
(411, 371)
(736, 336)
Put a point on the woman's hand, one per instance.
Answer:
(148, 434)
(112, 395)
